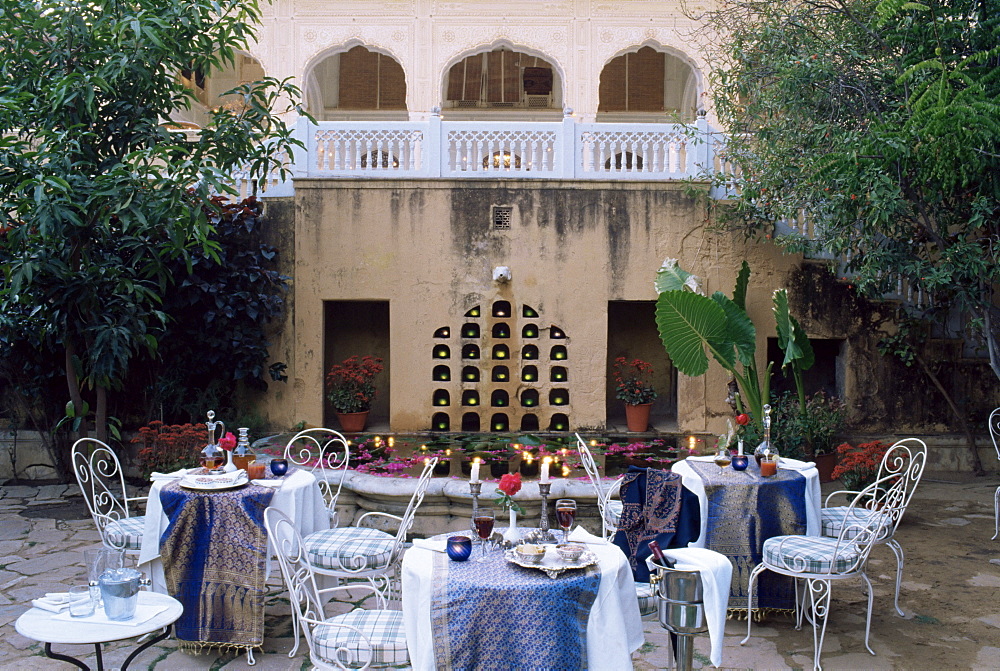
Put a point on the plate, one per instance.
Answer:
(212, 483)
(552, 563)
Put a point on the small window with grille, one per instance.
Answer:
(502, 215)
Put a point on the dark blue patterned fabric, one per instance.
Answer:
(498, 616)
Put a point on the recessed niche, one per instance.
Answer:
(529, 398)
(501, 309)
(529, 423)
(528, 312)
(556, 333)
(473, 313)
(499, 398)
(529, 352)
(470, 351)
(501, 330)
(559, 397)
(501, 374)
(470, 330)
(559, 422)
(442, 397)
(529, 331)
(441, 421)
(501, 352)
(442, 352)
(529, 374)
(470, 397)
(499, 422)
(558, 374)
(558, 353)
(443, 332)
(442, 374)
(470, 374)
(470, 422)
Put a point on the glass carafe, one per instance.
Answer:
(242, 454)
(212, 456)
(766, 447)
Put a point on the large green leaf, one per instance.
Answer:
(742, 280)
(688, 323)
(740, 331)
(792, 338)
(670, 277)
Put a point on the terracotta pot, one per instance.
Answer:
(353, 422)
(637, 417)
(825, 463)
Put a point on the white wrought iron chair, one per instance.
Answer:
(995, 435)
(609, 508)
(327, 453)
(362, 638)
(102, 483)
(363, 552)
(820, 560)
(905, 459)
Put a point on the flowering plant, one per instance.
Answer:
(857, 467)
(632, 381)
(509, 485)
(228, 441)
(351, 383)
(167, 447)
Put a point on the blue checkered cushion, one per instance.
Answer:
(647, 599)
(810, 554)
(835, 518)
(349, 548)
(126, 533)
(383, 628)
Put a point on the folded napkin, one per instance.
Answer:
(794, 464)
(710, 458)
(268, 483)
(215, 480)
(581, 535)
(54, 602)
(179, 473)
(143, 612)
(716, 577)
(430, 544)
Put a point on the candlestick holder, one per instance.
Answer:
(543, 526)
(476, 489)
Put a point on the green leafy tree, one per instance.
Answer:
(874, 127)
(97, 192)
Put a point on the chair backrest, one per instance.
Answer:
(411, 509)
(594, 473)
(102, 482)
(995, 430)
(327, 453)
(903, 463)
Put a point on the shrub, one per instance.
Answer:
(167, 447)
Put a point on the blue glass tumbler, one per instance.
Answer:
(740, 462)
(279, 467)
(459, 547)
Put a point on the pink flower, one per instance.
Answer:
(228, 441)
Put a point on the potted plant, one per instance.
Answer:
(633, 386)
(807, 432)
(857, 467)
(351, 390)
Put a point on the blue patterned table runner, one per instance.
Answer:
(744, 510)
(214, 554)
(498, 616)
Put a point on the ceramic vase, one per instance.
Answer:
(512, 535)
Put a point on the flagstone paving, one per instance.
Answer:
(951, 594)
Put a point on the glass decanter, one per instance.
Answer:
(766, 447)
(242, 454)
(212, 456)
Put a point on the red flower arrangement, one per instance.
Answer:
(167, 447)
(857, 467)
(509, 485)
(633, 383)
(351, 383)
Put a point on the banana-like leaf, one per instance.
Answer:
(742, 281)
(688, 323)
(792, 339)
(670, 277)
(741, 332)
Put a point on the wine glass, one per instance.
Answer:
(565, 514)
(723, 458)
(483, 521)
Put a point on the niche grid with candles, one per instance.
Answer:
(500, 371)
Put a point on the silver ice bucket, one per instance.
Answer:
(681, 609)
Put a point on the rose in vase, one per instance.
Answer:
(509, 485)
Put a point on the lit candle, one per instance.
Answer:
(545, 470)
(475, 470)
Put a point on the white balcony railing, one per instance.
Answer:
(500, 149)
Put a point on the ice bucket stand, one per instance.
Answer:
(681, 609)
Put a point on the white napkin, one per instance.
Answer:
(581, 535)
(268, 483)
(430, 544)
(219, 479)
(54, 602)
(716, 578)
(143, 612)
(794, 464)
(179, 473)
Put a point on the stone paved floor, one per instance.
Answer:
(950, 594)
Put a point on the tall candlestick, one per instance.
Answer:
(545, 471)
(475, 470)
(475, 489)
(543, 533)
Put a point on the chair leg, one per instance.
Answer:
(759, 568)
(868, 618)
(897, 550)
(819, 597)
(996, 513)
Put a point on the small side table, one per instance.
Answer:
(38, 624)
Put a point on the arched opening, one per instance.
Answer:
(442, 373)
(209, 90)
(442, 397)
(529, 423)
(648, 82)
(357, 84)
(470, 374)
(441, 421)
(503, 79)
(470, 422)
(501, 374)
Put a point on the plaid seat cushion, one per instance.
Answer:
(647, 599)
(126, 533)
(835, 518)
(810, 554)
(383, 628)
(349, 548)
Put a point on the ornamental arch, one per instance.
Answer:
(649, 80)
(355, 82)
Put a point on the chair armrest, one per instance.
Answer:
(847, 493)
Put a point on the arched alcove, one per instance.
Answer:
(502, 78)
(357, 82)
(648, 81)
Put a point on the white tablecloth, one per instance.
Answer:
(299, 497)
(614, 629)
(814, 502)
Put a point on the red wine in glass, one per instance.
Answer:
(565, 514)
(483, 521)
